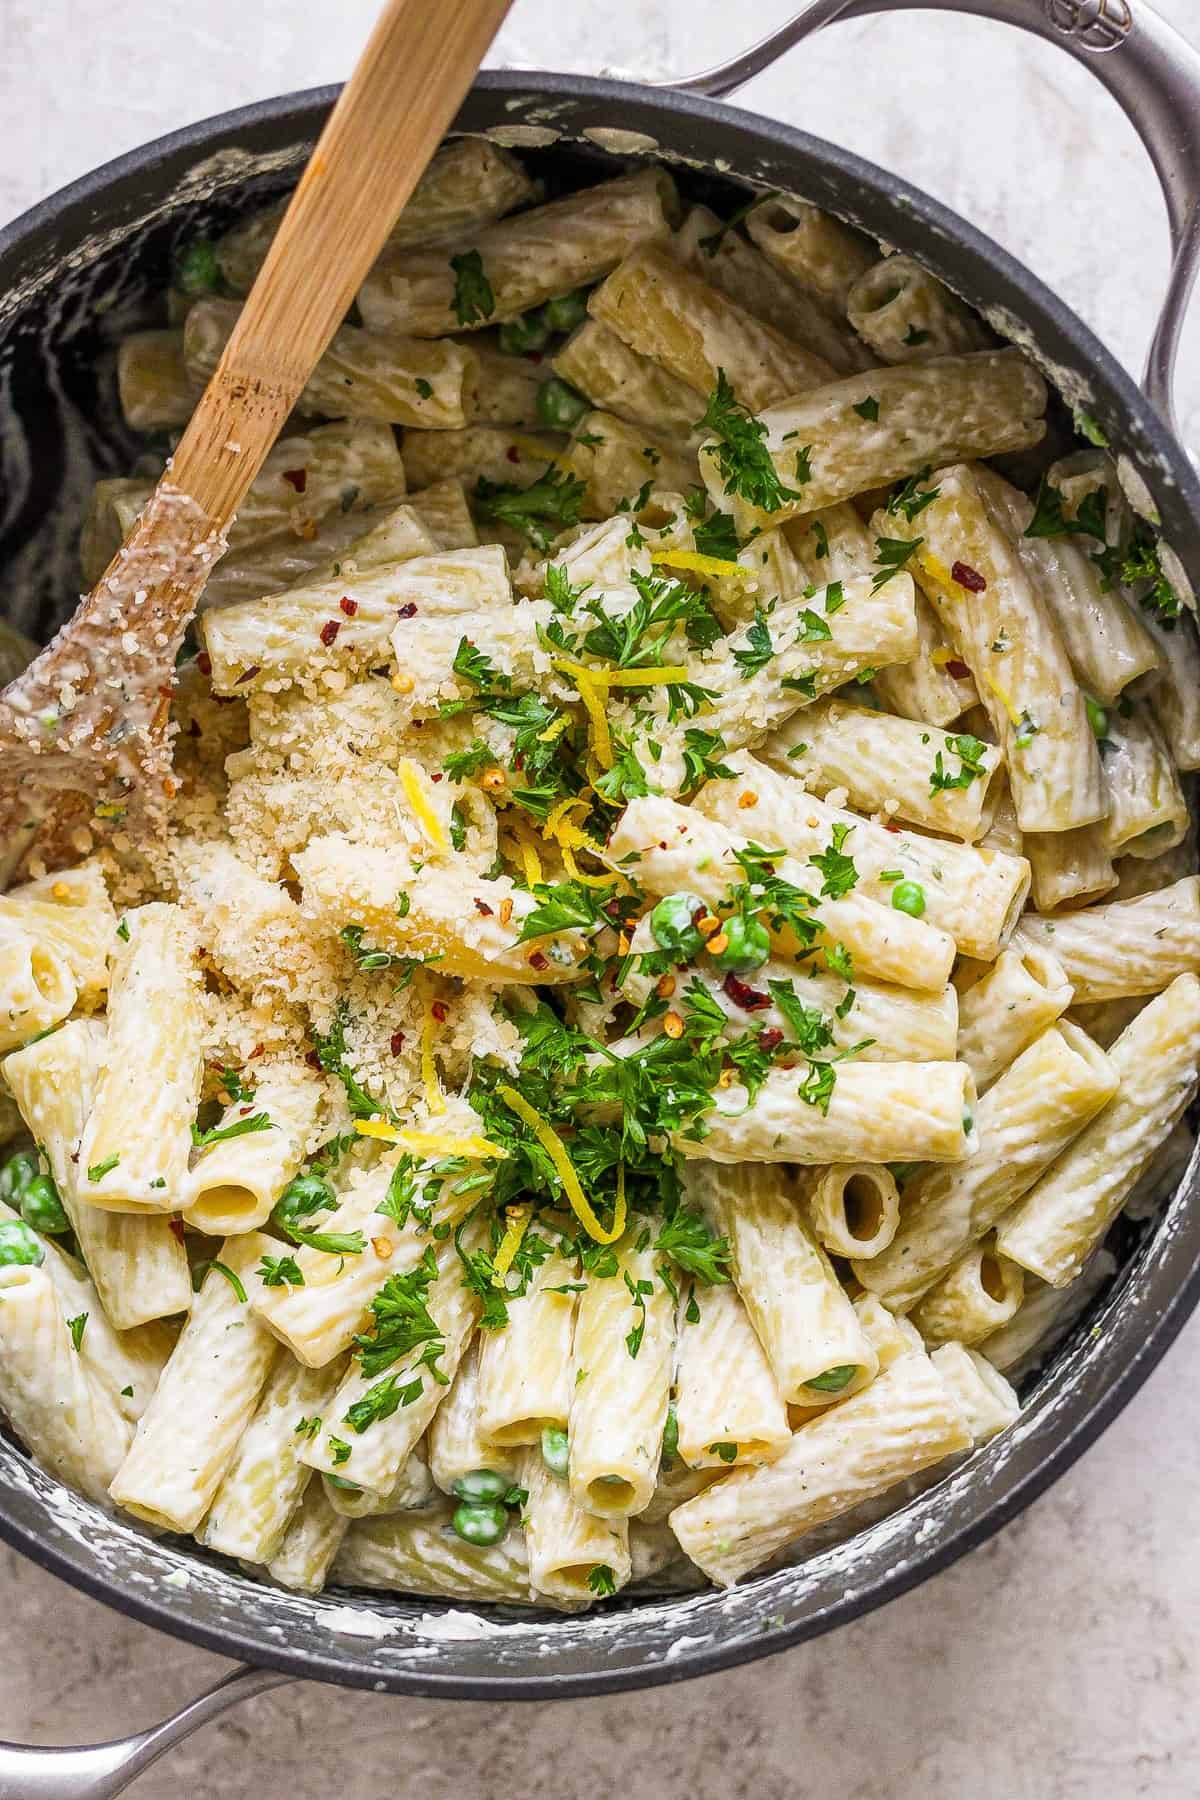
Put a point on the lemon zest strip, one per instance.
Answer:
(434, 1098)
(699, 564)
(518, 1218)
(556, 1150)
(1004, 697)
(427, 819)
(435, 1143)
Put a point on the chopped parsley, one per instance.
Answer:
(970, 752)
(740, 450)
(201, 1270)
(838, 871)
(892, 554)
(280, 1271)
(758, 649)
(220, 1134)
(473, 296)
(911, 498)
(540, 511)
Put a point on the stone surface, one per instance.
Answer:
(1057, 1662)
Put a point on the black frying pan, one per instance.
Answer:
(78, 272)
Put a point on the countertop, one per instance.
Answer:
(1057, 1662)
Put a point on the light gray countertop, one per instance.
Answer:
(1057, 1662)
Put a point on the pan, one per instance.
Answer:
(76, 273)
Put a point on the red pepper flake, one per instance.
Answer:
(968, 577)
(176, 1224)
(483, 909)
(204, 663)
(312, 1059)
(748, 998)
(959, 670)
(248, 674)
(348, 606)
(397, 1042)
(329, 631)
(438, 777)
(537, 960)
(769, 1040)
(296, 478)
(512, 453)
(407, 612)
(438, 1009)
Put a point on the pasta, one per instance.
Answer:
(678, 932)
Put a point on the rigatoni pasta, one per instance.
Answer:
(583, 1039)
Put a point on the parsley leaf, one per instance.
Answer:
(553, 500)
(741, 453)
(563, 906)
(402, 1321)
(280, 1271)
(701, 753)
(717, 536)
(891, 554)
(687, 1240)
(201, 1270)
(809, 1026)
(868, 409)
(473, 296)
(910, 498)
(837, 869)
(969, 750)
(758, 649)
(333, 1243)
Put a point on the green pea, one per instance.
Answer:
(41, 1207)
(670, 1438)
(481, 1486)
(197, 270)
(1096, 716)
(480, 1525)
(16, 1175)
(566, 311)
(673, 924)
(909, 897)
(834, 1380)
(519, 336)
(19, 1245)
(303, 1196)
(747, 946)
(559, 405)
(556, 1450)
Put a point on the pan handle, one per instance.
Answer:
(101, 1771)
(1150, 70)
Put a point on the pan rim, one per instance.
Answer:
(1167, 1262)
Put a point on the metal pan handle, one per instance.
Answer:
(1143, 62)
(101, 1771)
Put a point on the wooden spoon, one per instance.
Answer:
(84, 736)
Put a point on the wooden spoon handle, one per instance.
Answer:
(409, 82)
